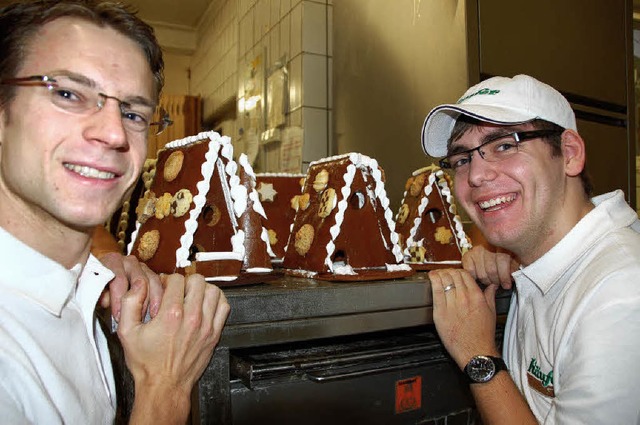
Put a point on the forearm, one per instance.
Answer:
(500, 402)
(160, 405)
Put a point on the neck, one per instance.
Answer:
(42, 232)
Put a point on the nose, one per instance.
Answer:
(105, 126)
(481, 171)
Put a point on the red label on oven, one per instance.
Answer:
(409, 394)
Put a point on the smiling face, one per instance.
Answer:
(522, 203)
(64, 169)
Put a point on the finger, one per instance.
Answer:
(437, 289)
(195, 286)
(221, 309)
(504, 270)
(173, 298)
(469, 263)
(131, 311)
(156, 290)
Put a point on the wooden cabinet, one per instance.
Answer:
(186, 114)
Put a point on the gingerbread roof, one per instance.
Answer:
(428, 220)
(199, 180)
(343, 224)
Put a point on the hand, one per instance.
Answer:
(167, 355)
(465, 316)
(129, 271)
(490, 268)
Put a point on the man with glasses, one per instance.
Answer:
(79, 84)
(572, 337)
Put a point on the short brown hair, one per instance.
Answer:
(19, 22)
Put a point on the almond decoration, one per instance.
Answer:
(173, 165)
(304, 239)
(304, 201)
(148, 245)
(321, 180)
(417, 184)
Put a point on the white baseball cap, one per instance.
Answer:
(498, 100)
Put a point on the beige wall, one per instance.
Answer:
(176, 73)
(393, 61)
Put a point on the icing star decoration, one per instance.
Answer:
(267, 192)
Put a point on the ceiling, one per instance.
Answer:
(185, 13)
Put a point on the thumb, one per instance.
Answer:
(132, 306)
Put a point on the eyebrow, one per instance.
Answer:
(495, 134)
(86, 81)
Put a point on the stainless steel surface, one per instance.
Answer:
(298, 309)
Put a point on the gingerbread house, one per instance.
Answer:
(277, 192)
(197, 215)
(431, 233)
(343, 228)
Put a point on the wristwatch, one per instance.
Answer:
(482, 369)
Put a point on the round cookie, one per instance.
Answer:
(181, 202)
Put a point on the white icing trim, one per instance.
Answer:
(397, 267)
(216, 256)
(298, 175)
(220, 278)
(191, 224)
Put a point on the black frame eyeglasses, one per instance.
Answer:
(495, 149)
(78, 96)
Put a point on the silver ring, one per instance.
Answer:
(449, 287)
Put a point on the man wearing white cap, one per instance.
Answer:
(572, 338)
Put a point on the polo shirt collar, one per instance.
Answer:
(36, 276)
(611, 212)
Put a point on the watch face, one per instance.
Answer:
(481, 369)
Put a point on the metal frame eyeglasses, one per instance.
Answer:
(78, 98)
(495, 149)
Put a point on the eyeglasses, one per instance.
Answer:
(496, 149)
(76, 96)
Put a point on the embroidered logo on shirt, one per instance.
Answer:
(540, 381)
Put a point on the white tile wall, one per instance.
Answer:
(314, 122)
(314, 28)
(234, 32)
(295, 83)
(314, 80)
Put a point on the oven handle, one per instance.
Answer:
(321, 377)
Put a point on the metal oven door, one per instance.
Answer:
(397, 377)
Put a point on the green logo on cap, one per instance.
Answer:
(481, 91)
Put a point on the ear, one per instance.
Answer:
(573, 152)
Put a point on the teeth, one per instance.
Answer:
(496, 201)
(90, 172)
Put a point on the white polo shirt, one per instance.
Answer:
(54, 361)
(572, 338)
